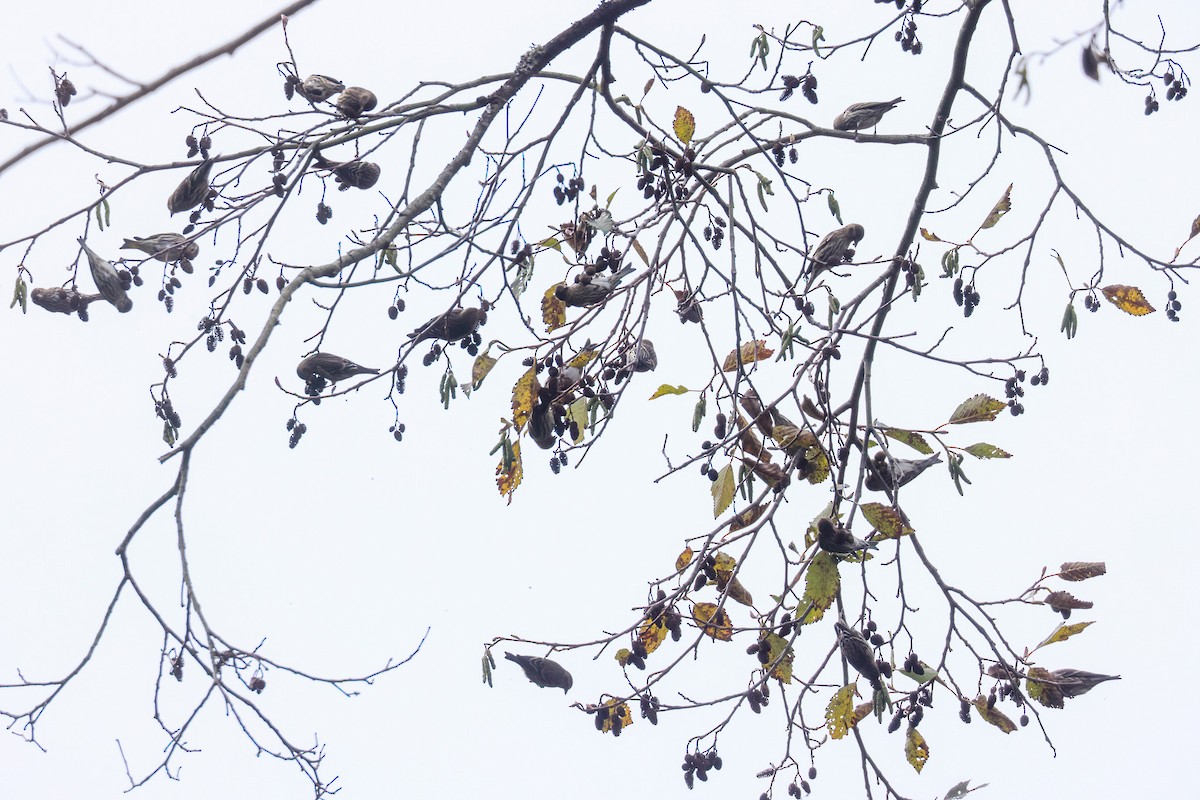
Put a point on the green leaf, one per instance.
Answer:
(914, 440)
(1002, 207)
(979, 408)
(834, 208)
(699, 412)
(722, 490)
(667, 388)
(985, 450)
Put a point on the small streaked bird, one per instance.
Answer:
(541, 426)
(62, 300)
(350, 174)
(591, 289)
(1074, 682)
(857, 652)
(892, 473)
(860, 116)
(356, 101)
(642, 358)
(330, 367)
(543, 672)
(163, 246)
(192, 191)
(107, 280)
(836, 539)
(318, 88)
(455, 324)
(836, 248)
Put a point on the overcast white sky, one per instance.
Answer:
(344, 551)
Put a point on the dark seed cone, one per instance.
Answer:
(857, 652)
(860, 116)
(591, 290)
(61, 300)
(192, 191)
(355, 101)
(107, 280)
(164, 246)
(543, 672)
(455, 324)
(330, 367)
(318, 88)
(836, 539)
(894, 473)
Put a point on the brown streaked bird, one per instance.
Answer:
(192, 191)
(591, 290)
(318, 88)
(836, 248)
(330, 367)
(543, 672)
(1074, 682)
(163, 246)
(106, 278)
(455, 324)
(860, 116)
(857, 652)
(643, 357)
(892, 473)
(356, 101)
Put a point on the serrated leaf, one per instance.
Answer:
(916, 749)
(747, 517)
(724, 567)
(1002, 207)
(713, 621)
(616, 711)
(782, 671)
(750, 352)
(834, 208)
(684, 559)
(554, 311)
(993, 715)
(886, 520)
(911, 438)
(685, 125)
(929, 236)
(980, 408)
(818, 464)
(1064, 632)
(524, 396)
(985, 450)
(508, 477)
(1048, 694)
(793, 439)
(1081, 570)
(722, 490)
(840, 713)
(652, 633)
(1129, 299)
(480, 369)
(1065, 601)
(821, 582)
(667, 388)
(928, 673)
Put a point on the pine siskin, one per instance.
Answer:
(836, 248)
(164, 246)
(455, 324)
(591, 289)
(318, 88)
(892, 473)
(860, 116)
(62, 300)
(540, 427)
(1074, 682)
(330, 367)
(192, 191)
(836, 539)
(350, 174)
(857, 652)
(356, 101)
(643, 358)
(543, 672)
(107, 280)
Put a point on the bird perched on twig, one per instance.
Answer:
(857, 652)
(192, 191)
(330, 367)
(643, 357)
(543, 672)
(356, 101)
(62, 300)
(588, 290)
(836, 539)
(835, 249)
(859, 116)
(1074, 682)
(318, 88)
(892, 473)
(350, 174)
(163, 246)
(455, 324)
(107, 280)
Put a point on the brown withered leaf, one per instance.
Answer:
(1129, 299)
(713, 622)
(684, 559)
(1081, 570)
(1002, 207)
(508, 475)
(1048, 694)
(652, 633)
(1065, 601)
(747, 517)
(993, 715)
(524, 395)
(750, 352)
(724, 567)
(554, 311)
(749, 440)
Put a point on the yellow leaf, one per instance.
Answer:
(507, 480)
(722, 491)
(577, 412)
(684, 559)
(652, 633)
(1129, 299)
(914, 440)
(747, 517)
(793, 439)
(779, 647)
(482, 366)
(821, 581)
(1048, 694)
(818, 464)
(666, 389)
(524, 396)
(979, 408)
(999, 210)
(554, 311)
(915, 749)
(756, 350)
(685, 125)
(1064, 632)
(985, 450)
(929, 236)
(637, 248)
(618, 712)
(839, 712)
(886, 520)
(713, 622)
(993, 715)
(582, 358)
(724, 567)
